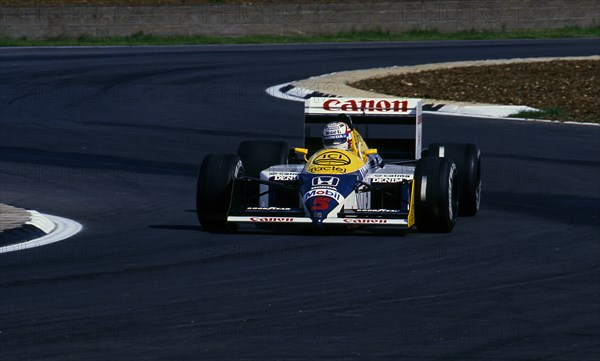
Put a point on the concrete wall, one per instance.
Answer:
(296, 18)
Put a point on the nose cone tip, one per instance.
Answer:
(318, 223)
(317, 216)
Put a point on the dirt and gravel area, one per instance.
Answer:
(12, 217)
(564, 89)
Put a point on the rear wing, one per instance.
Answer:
(392, 125)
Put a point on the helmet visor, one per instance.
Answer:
(337, 140)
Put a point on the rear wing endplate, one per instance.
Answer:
(392, 125)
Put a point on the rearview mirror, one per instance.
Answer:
(302, 151)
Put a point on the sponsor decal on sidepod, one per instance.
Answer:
(390, 178)
(283, 176)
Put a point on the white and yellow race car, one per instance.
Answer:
(386, 179)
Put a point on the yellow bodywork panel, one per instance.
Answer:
(334, 161)
(411, 211)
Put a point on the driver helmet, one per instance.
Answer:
(337, 135)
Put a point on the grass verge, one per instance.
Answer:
(550, 114)
(356, 36)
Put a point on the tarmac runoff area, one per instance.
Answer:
(23, 229)
(336, 85)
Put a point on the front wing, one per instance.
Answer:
(357, 217)
(307, 220)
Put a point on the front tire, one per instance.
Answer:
(435, 195)
(214, 190)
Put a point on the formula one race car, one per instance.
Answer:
(385, 179)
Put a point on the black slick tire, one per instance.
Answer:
(435, 195)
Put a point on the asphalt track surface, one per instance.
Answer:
(112, 138)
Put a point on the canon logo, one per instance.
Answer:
(367, 106)
(271, 219)
(365, 221)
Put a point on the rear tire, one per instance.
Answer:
(214, 190)
(258, 155)
(467, 158)
(435, 195)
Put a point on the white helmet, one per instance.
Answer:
(337, 135)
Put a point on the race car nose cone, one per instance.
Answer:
(322, 194)
(320, 203)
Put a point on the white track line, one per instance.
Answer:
(60, 229)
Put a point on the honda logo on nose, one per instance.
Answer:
(326, 181)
